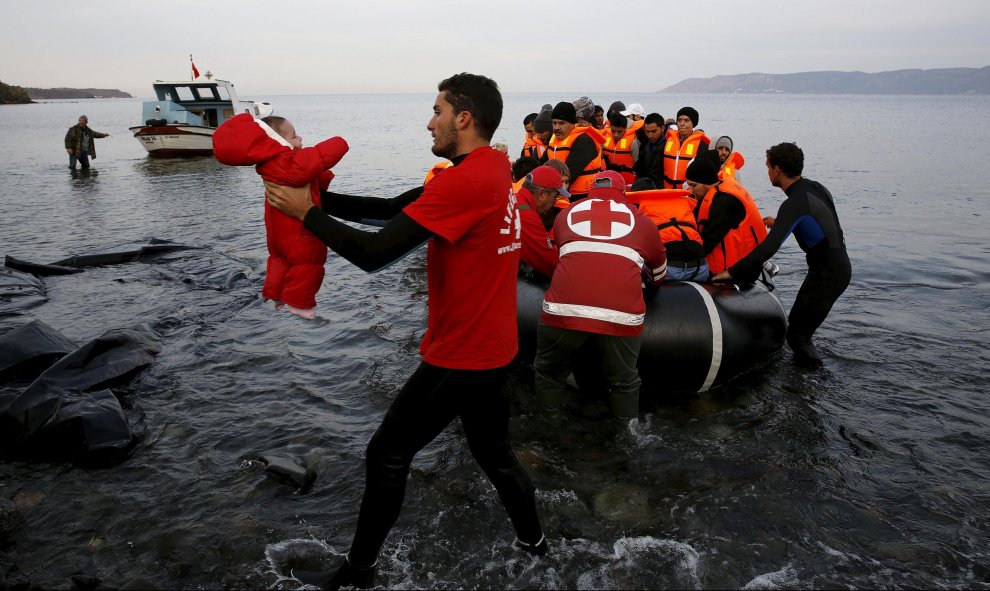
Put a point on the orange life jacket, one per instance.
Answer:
(672, 210)
(532, 148)
(677, 155)
(734, 162)
(561, 149)
(437, 169)
(739, 241)
(518, 185)
(618, 155)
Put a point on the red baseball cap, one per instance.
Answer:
(548, 178)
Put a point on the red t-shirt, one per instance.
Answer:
(471, 263)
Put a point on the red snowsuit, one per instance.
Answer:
(295, 256)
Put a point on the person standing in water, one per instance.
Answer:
(809, 213)
(79, 144)
(468, 214)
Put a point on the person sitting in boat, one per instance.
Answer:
(295, 256)
(604, 241)
(542, 132)
(729, 161)
(542, 189)
(681, 147)
(729, 222)
(559, 166)
(672, 210)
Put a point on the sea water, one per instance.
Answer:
(872, 472)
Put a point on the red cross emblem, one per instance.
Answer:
(598, 218)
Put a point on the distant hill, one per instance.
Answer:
(76, 93)
(13, 95)
(939, 81)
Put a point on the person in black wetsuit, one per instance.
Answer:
(809, 213)
(466, 213)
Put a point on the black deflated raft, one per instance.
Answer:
(696, 336)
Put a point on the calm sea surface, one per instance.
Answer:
(873, 472)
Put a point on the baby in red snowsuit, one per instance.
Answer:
(295, 256)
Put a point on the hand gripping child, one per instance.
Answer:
(295, 256)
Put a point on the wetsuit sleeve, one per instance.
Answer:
(371, 251)
(354, 208)
(747, 269)
(725, 213)
(583, 151)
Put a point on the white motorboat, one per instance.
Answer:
(181, 121)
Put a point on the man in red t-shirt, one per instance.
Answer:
(468, 213)
(607, 248)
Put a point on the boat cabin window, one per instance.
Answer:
(224, 95)
(205, 93)
(185, 93)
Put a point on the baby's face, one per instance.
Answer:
(288, 132)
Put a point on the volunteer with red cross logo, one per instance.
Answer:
(608, 248)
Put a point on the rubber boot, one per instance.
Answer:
(805, 353)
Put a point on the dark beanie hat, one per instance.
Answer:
(565, 112)
(543, 123)
(703, 169)
(617, 106)
(690, 112)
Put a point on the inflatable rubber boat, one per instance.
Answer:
(697, 336)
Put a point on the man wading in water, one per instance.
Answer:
(468, 214)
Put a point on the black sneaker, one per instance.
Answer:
(344, 574)
(538, 549)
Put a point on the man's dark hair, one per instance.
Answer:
(598, 109)
(523, 166)
(788, 157)
(654, 118)
(530, 118)
(644, 183)
(477, 95)
(616, 119)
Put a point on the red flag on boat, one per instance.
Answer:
(195, 72)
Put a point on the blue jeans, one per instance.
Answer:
(83, 159)
(696, 274)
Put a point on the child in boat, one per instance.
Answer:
(295, 256)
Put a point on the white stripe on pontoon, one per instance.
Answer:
(716, 335)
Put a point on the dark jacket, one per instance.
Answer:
(74, 140)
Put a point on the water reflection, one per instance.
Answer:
(157, 167)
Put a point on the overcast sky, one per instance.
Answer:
(581, 46)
